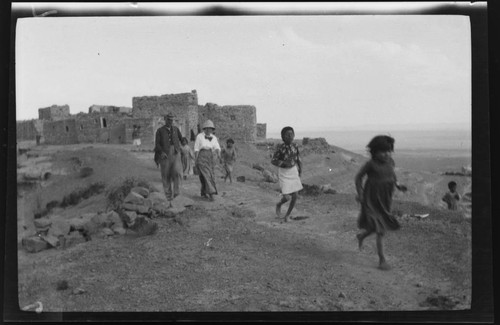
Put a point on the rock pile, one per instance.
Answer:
(269, 176)
(134, 216)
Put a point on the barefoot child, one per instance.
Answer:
(452, 197)
(228, 157)
(287, 159)
(187, 158)
(376, 194)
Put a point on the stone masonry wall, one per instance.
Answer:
(54, 113)
(236, 122)
(60, 132)
(25, 130)
(261, 130)
(184, 106)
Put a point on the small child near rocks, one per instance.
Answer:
(228, 158)
(452, 197)
(187, 158)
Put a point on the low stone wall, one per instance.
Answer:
(54, 113)
(60, 132)
(236, 122)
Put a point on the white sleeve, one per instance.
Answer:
(216, 144)
(197, 143)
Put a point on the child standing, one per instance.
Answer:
(287, 159)
(228, 157)
(452, 197)
(187, 158)
(376, 194)
(136, 136)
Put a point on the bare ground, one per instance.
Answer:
(209, 259)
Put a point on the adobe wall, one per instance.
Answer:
(109, 109)
(60, 132)
(261, 130)
(54, 113)
(184, 106)
(236, 122)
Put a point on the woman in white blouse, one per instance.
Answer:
(204, 146)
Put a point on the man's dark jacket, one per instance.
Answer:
(165, 138)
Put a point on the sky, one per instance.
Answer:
(308, 71)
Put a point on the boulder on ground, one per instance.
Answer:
(157, 197)
(258, 167)
(269, 176)
(74, 238)
(135, 207)
(107, 231)
(119, 230)
(42, 223)
(240, 179)
(78, 223)
(181, 201)
(134, 198)
(59, 227)
(100, 219)
(242, 212)
(51, 240)
(114, 219)
(34, 244)
(129, 217)
(142, 191)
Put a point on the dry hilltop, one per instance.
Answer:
(95, 233)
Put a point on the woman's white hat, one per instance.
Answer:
(208, 124)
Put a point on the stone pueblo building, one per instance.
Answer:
(113, 124)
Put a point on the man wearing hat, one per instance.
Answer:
(168, 157)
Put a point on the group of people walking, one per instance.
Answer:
(375, 182)
(177, 160)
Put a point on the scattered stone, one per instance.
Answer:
(148, 203)
(119, 230)
(59, 227)
(51, 240)
(131, 216)
(34, 244)
(77, 223)
(134, 198)
(107, 231)
(269, 176)
(182, 201)
(419, 284)
(176, 210)
(258, 167)
(240, 179)
(136, 207)
(342, 295)
(114, 219)
(242, 212)
(157, 197)
(142, 191)
(78, 291)
(62, 285)
(100, 220)
(42, 223)
(74, 238)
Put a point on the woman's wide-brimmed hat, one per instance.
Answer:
(208, 124)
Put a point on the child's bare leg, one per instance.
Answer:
(380, 249)
(230, 178)
(362, 237)
(290, 207)
(279, 204)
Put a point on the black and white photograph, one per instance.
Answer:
(281, 158)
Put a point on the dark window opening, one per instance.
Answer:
(81, 126)
(103, 123)
(67, 128)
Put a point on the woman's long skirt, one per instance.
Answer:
(205, 164)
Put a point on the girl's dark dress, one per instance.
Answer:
(376, 213)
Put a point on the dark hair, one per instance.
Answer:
(230, 141)
(381, 143)
(283, 131)
(184, 139)
(452, 184)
